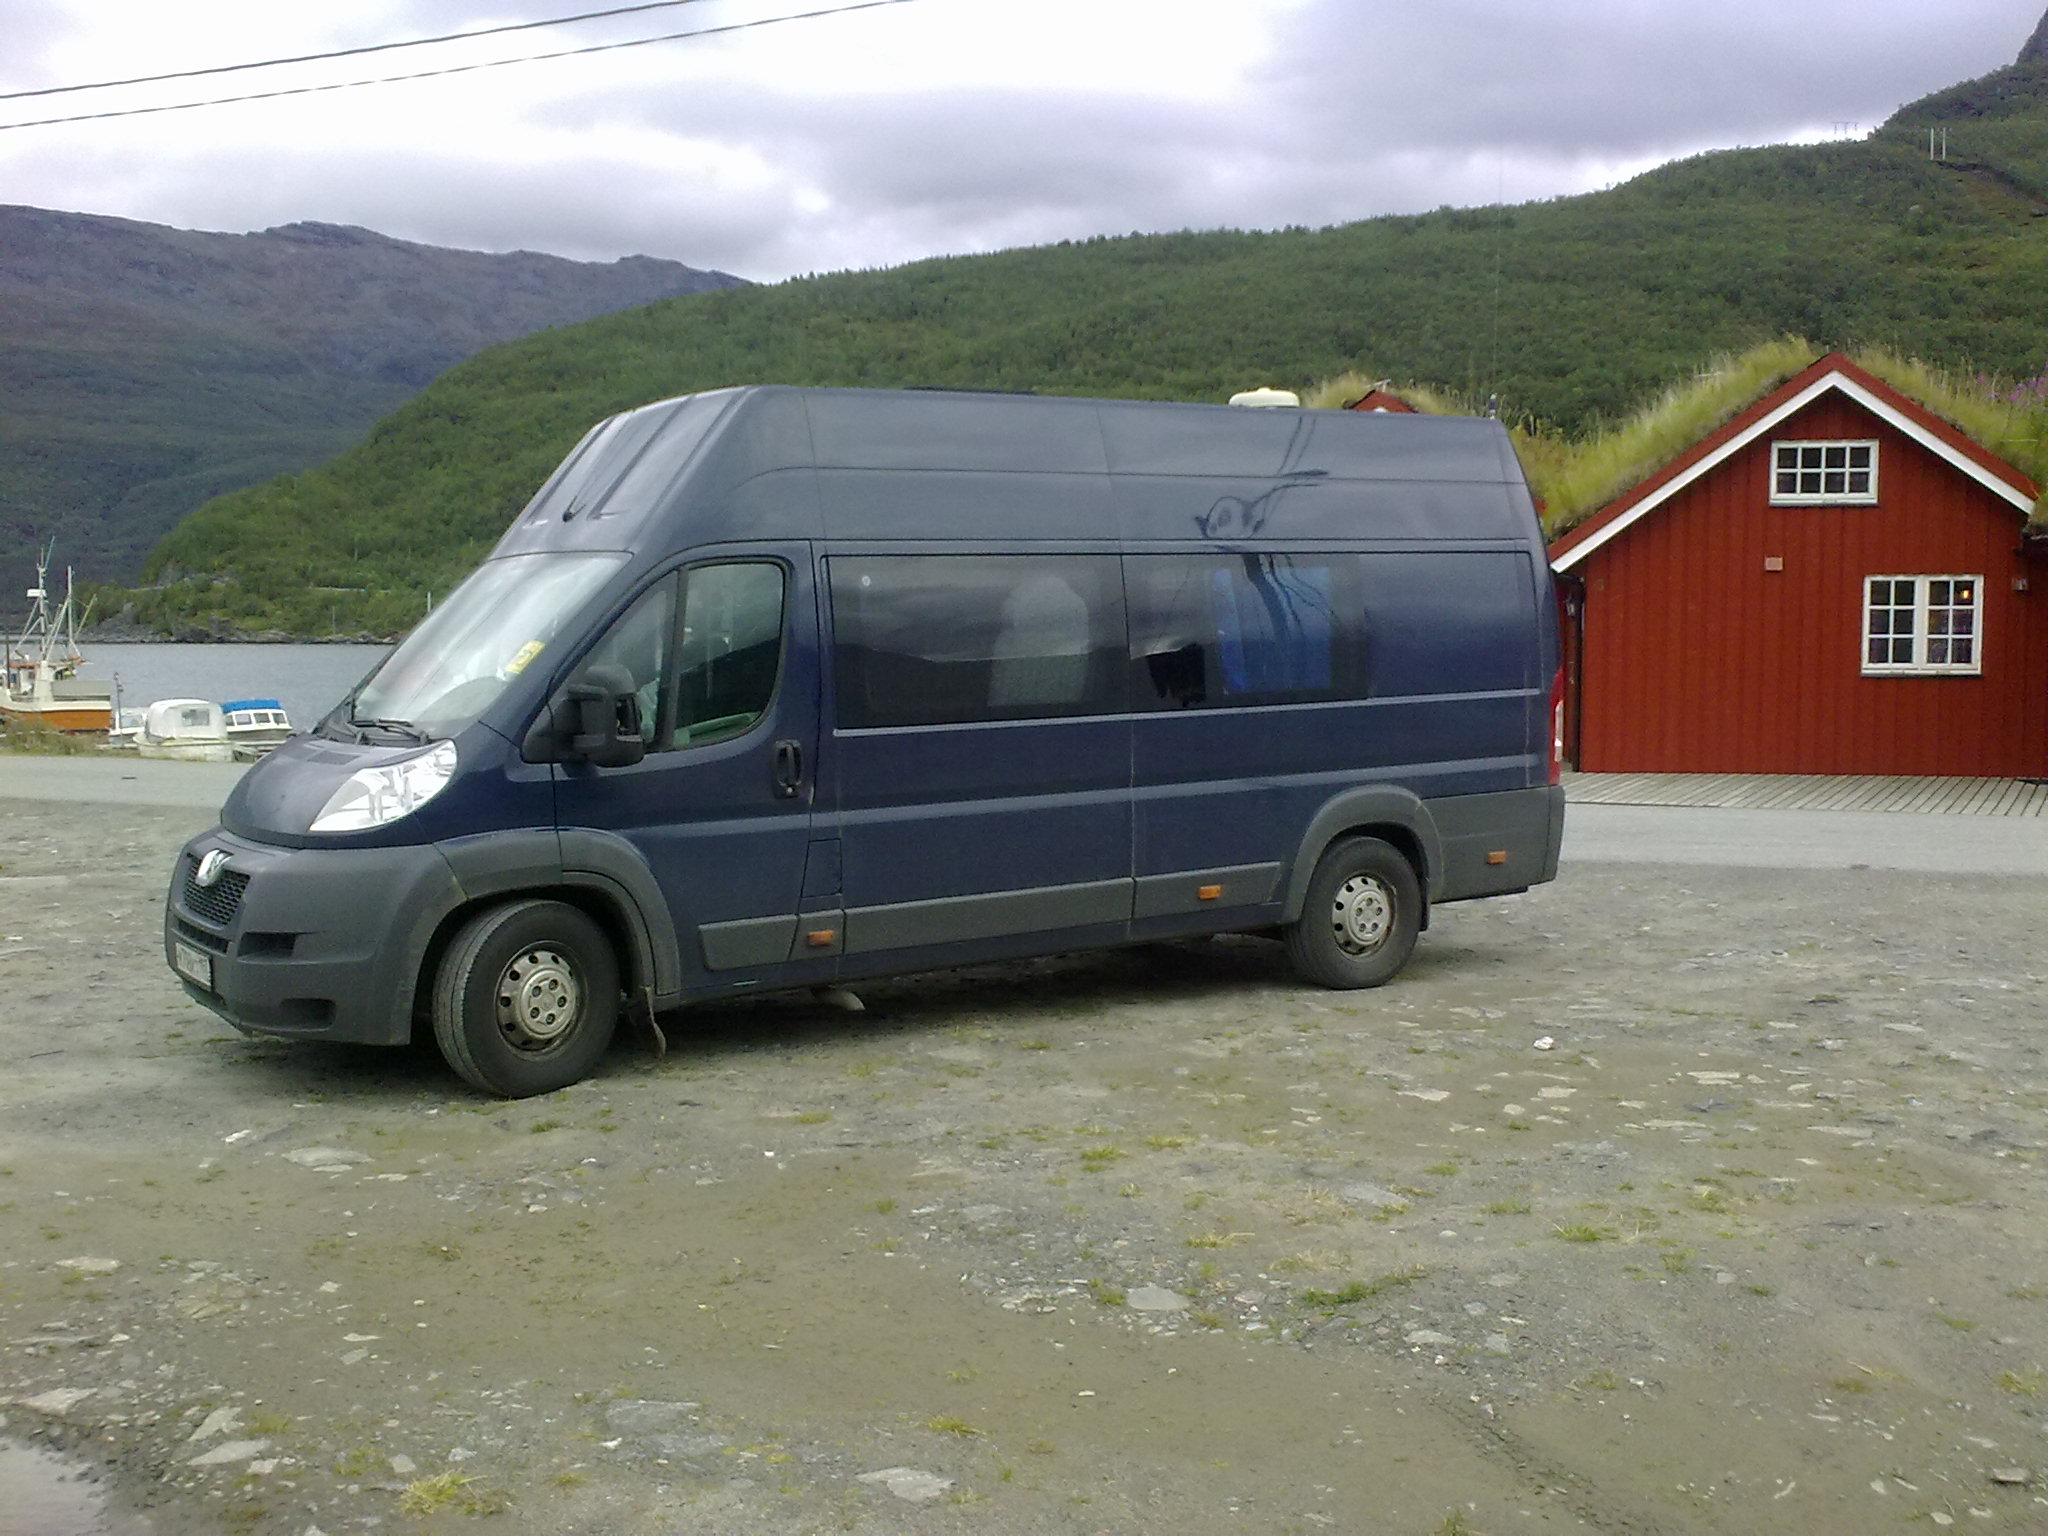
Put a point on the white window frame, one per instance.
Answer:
(1815, 459)
(1924, 615)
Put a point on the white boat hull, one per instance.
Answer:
(203, 751)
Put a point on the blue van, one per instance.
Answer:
(775, 687)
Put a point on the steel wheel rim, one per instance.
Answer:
(1362, 915)
(539, 998)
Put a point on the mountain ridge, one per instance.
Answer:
(145, 369)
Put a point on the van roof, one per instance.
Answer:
(767, 461)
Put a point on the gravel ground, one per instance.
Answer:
(1680, 1198)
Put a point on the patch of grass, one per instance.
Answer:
(2026, 1384)
(1442, 1170)
(1598, 1381)
(1311, 1207)
(1097, 1158)
(813, 1117)
(39, 741)
(1507, 1208)
(1217, 1239)
(539, 1126)
(358, 1462)
(1580, 1232)
(449, 1492)
(885, 1205)
(1850, 1384)
(1960, 1324)
(1361, 1290)
(1167, 1143)
(1105, 1293)
(946, 1424)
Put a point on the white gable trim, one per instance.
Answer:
(1835, 380)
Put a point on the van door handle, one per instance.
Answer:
(789, 769)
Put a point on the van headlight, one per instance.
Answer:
(375, 797)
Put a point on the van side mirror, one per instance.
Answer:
(594, 719)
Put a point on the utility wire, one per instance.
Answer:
(346, 53)
(458, 69)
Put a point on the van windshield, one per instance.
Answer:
(492, 628)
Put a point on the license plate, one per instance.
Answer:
(195, 965)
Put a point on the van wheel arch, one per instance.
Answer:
(1395, 816)
(628, 940)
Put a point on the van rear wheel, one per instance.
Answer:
(1360, 918)
(526, 998)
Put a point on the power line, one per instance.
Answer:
(457, 69)
(346, 53)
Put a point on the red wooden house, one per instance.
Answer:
(1836, 581)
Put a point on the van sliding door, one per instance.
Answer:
(979, 758)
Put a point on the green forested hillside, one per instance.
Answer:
(144, 370)
(1569, 311)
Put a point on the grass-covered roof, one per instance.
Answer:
(1576, 475)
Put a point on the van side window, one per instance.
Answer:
(640, 641)
(730, 652)
(1214, 630)
(946, 639)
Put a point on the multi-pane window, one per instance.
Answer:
(1214, 631)
(1816, 472)
(1922, 624)
(952, 639)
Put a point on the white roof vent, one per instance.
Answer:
(1267, 399)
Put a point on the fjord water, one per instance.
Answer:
(308, 680)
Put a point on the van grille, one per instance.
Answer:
(217, 903)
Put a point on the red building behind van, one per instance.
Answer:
(1836, 581)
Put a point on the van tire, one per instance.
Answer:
(526, 998)
(1360, 917)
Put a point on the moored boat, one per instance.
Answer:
(192, 730)
(254, 726)
(126, 732)
(40, 687)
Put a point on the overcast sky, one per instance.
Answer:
(938, 126)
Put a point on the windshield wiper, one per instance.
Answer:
(403, 728)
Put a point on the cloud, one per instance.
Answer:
(1623, 77)
(946, 127)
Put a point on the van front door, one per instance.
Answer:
(725, 656)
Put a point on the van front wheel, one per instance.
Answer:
(526, 998)
(1359, 920)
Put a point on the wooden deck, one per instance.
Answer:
(1813, 792)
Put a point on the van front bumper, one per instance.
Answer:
(311, 943)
